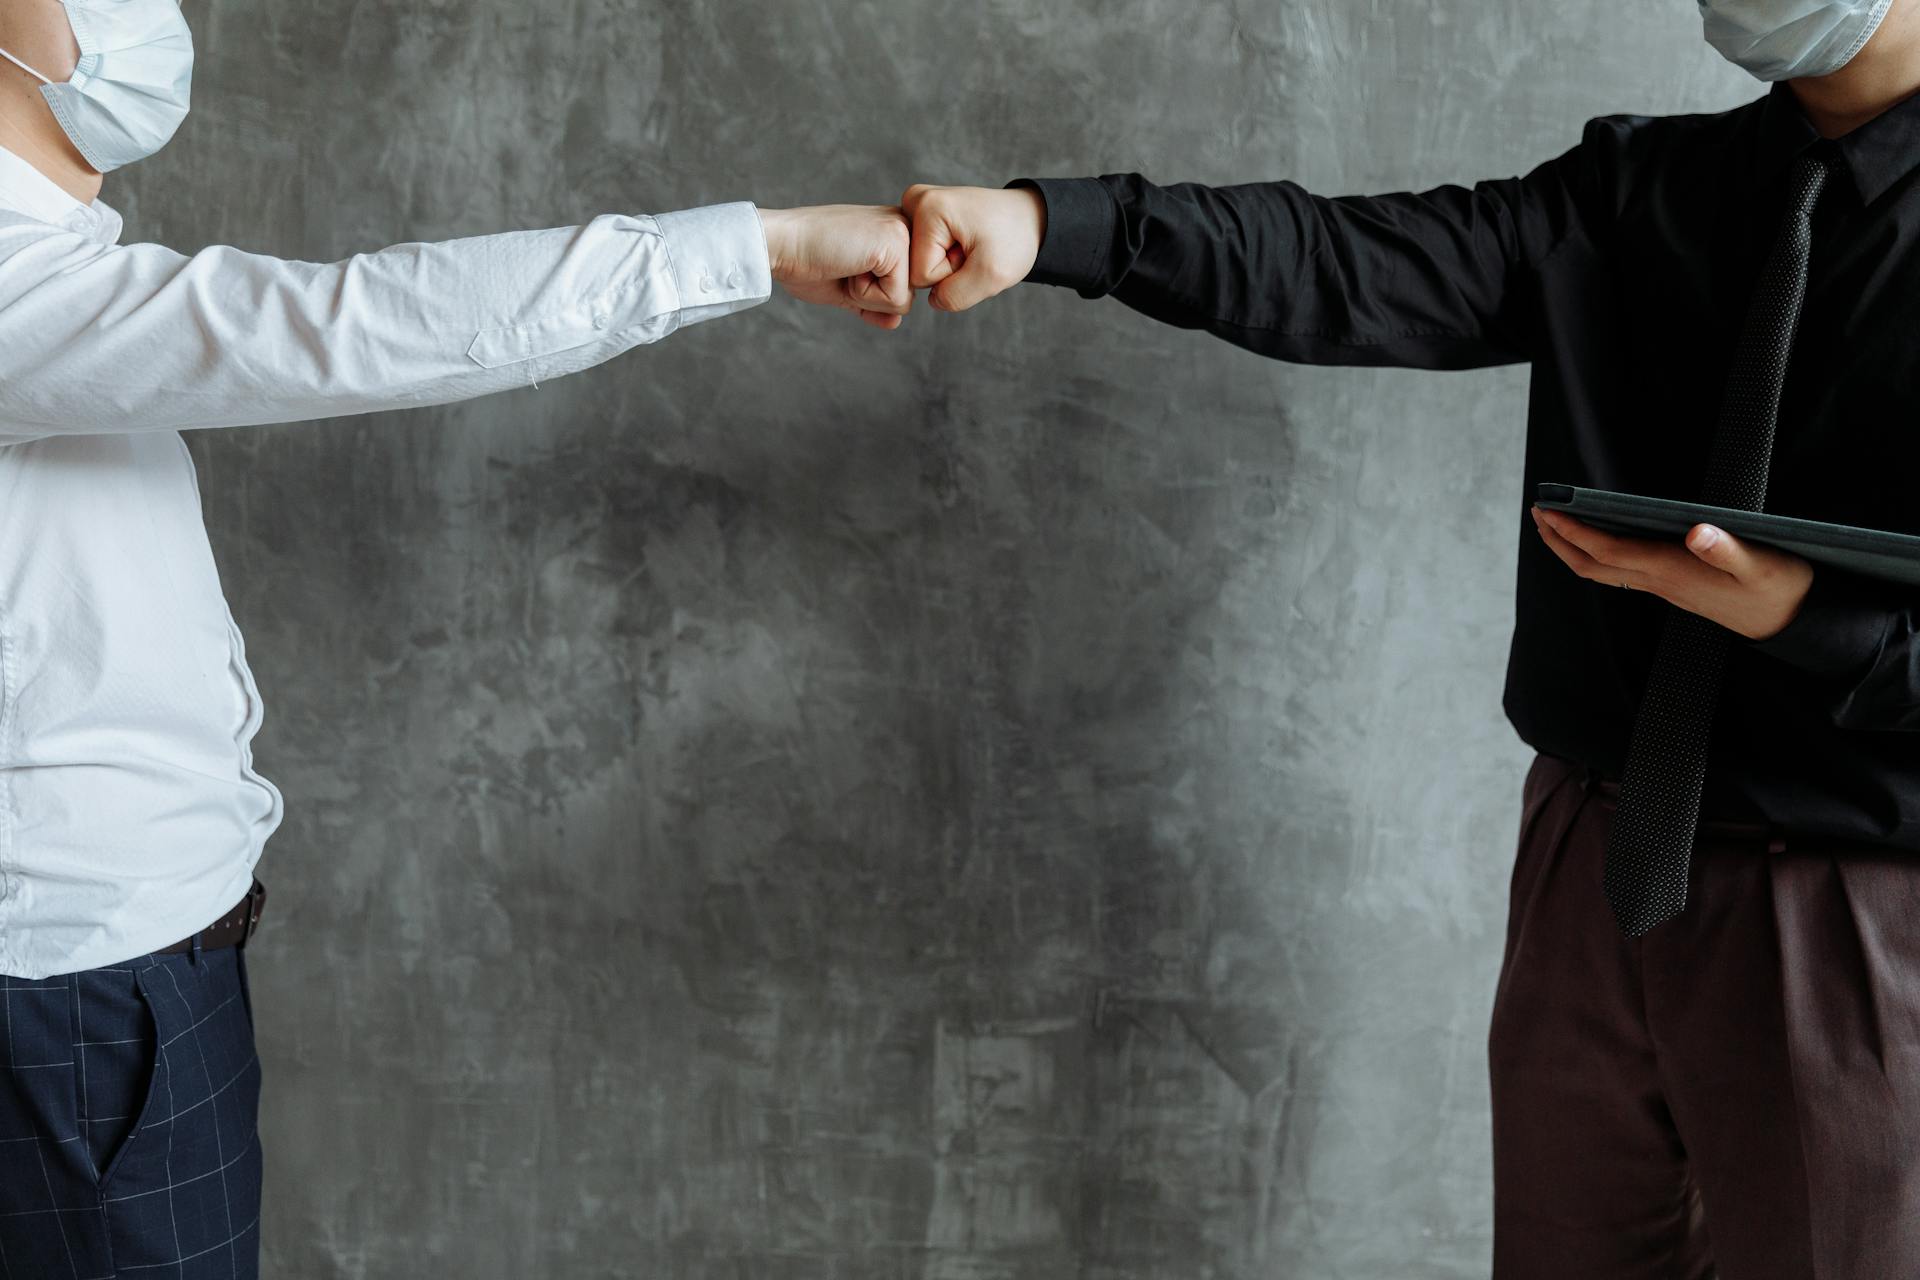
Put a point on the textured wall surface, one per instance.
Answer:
(1024, 797)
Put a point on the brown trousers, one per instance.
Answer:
(1737, 1094)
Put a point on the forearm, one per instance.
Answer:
(1429, 280)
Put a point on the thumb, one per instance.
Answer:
(883, 289)
(1721, 550)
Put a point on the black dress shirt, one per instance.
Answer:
(1621, 271)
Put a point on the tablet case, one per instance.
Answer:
(1894, 557)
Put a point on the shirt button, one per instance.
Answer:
(600, 321)
(706, 284)
(733, 278)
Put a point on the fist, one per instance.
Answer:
(843, 255)
(970, 243)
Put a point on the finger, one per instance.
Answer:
(931, 258)
(968, 287)
(891, 279)
(1598, 546)
(1721, 550)
(1640, 555)
(1578, 560)
(881, 320)
(887, 294)
(1573, 557)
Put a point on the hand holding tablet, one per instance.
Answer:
(1894, 557)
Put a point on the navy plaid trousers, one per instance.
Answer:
(127, 1139)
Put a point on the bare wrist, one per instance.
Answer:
(1038, 204)
(778, 226)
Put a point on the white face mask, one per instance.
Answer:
(1786, 39)
(130, 91)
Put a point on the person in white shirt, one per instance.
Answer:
(131, 814)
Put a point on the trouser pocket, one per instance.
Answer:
(184, 1188)
(50, 1224)
(115, 1048)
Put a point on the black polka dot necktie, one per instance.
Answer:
(1651, 844)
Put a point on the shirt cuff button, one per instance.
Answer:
(706, 284)
(733, 278)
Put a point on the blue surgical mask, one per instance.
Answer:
(131, 89)
(1787, 39)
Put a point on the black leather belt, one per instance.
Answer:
(230, 930)
(1710, 828)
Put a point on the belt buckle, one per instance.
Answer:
(256, 901)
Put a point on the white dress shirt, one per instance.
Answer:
(130, 811)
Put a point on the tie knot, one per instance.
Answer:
(1808, 180)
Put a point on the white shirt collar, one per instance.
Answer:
(24, 189)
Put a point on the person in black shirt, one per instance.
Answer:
(1737, 1087)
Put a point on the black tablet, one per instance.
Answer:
(1892, 556)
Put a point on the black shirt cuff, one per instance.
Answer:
(1079, 239)
(1838, 632)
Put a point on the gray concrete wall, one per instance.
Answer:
(1018, 798)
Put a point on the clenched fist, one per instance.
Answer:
(970, 243)
(843, 255)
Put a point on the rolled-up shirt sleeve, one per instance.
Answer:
(100, 338)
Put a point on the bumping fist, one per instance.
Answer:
(843, 255)
(970, 243)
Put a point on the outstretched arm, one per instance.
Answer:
(99, 338)
(1430, 280)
